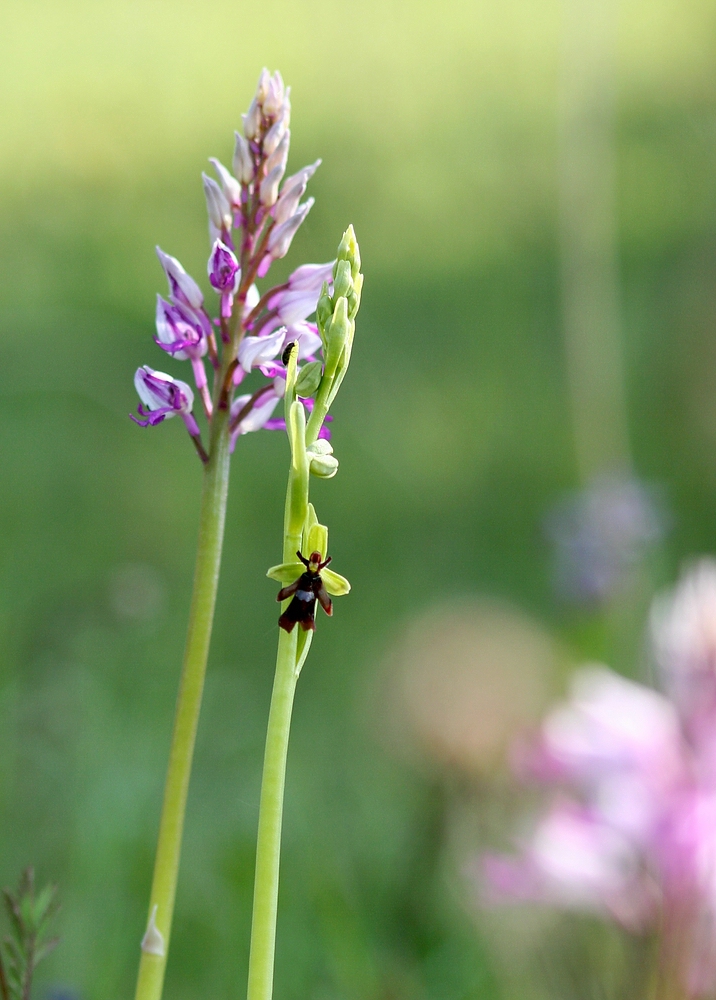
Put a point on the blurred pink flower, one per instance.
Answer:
(630, 832)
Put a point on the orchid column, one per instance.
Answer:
(253, 217)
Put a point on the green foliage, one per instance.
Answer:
(27, 943)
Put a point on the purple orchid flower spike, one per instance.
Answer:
(224, 275)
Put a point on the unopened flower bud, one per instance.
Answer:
(182, 286)
(337, 334)
(324, 307)
(342, 280)
(281, 236)
(273, 100)
(348, 250)
(292, 191)
(309, 379)
(268, 192)
(279, 157)
(229, 185)
(262, 87)
(243, 162)
(252, 120)
(217, 206)
(320, 447)
(323, 466)
(273, 136)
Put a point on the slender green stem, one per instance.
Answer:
(268, 844)
(268, 841)
(201, 616)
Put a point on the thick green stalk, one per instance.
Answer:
(206, 577)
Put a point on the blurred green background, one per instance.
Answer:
(437, 125)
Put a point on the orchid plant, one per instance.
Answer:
(254, 215)
(630, 830)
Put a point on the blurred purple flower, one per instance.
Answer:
(601, 532)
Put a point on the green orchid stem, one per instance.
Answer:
(268, 841)
(201, 617)
(268, 844)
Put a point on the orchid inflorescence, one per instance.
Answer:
(253, 216)
(630, 832)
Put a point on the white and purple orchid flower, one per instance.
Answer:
(224, 275)
(267, 210)
(161, 397)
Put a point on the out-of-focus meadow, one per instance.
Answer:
(437, 125)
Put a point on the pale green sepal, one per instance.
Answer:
(303, 646)
(286, 572)
(323, 466)
(335, 584)
(311, 519)
(309, 379)
(317, 540)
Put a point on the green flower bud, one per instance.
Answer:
(342, 280)
(324, 307)
(320, 447)
(323, 466)
(337, 335)
(309, 379)
(348, 250)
